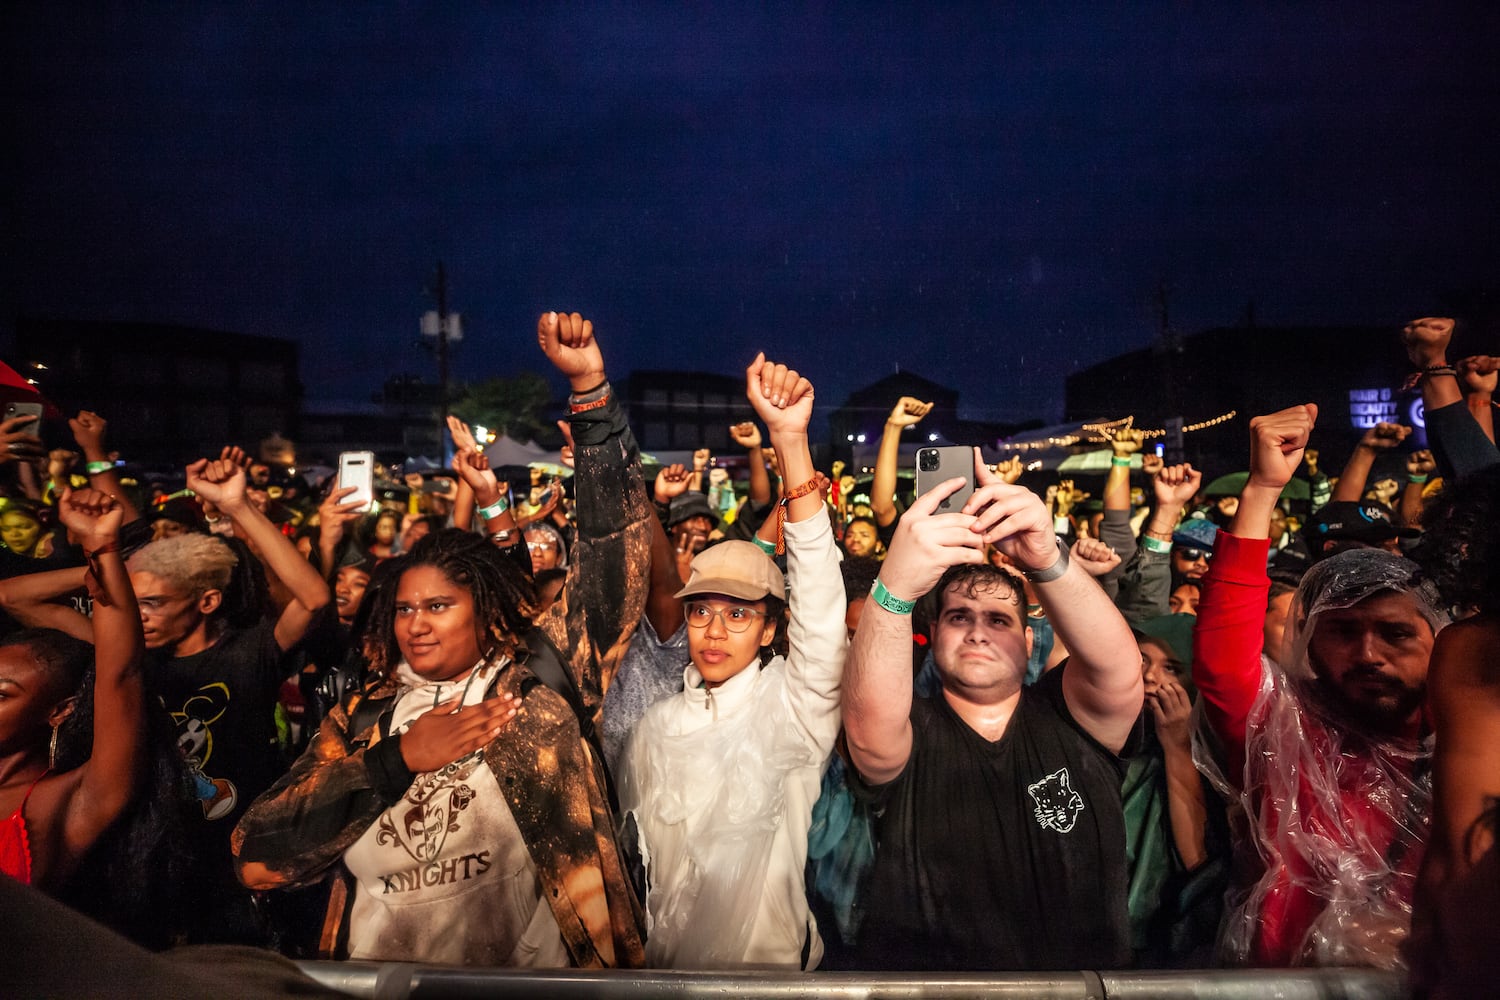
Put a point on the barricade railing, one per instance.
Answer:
(399, 981)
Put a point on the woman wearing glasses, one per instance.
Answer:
(720, 780)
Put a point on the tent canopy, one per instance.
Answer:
(507, 451)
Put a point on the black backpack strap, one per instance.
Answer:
(546, 664)
(543, 660)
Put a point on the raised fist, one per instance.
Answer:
(1276, 444)
(746, 435)
(88, 430)
(1426, 340)
(93, 517)
(1420, 463)
(782, 397)
(568, 342)
(1124, 440)
(1010, 469)
(1177, 485)
(221, 481)
(1384, 436)
(1068, 497)
(908, 412)
(1094, 556)
(1479, 374)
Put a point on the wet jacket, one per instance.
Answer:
(296, 834)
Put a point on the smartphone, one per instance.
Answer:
(357, 469)
(26, 410)
(935, 465)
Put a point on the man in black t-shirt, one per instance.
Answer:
(220, 683)
(1002, 840)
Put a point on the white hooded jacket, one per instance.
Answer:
(722, 784)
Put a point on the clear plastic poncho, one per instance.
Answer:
(708, 804)
(1339, 816)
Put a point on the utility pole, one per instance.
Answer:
(442, 353)
(1170, 346)
(443, 328)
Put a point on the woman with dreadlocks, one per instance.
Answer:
(52, 807)
(457, 798)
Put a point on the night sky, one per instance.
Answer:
(987, 196)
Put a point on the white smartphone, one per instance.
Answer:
(936, 465)
(357, 469)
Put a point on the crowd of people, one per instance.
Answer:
(619, 719)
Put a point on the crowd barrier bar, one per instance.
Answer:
(399, 981)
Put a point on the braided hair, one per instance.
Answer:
(505, 601)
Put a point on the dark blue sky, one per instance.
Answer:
(987, 196)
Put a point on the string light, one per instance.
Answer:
(1102, 430)
(1222, 418)
(1190, 428)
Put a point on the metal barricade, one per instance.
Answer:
(398, 981)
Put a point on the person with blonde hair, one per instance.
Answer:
(220, 681)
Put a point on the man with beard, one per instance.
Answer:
(1327, 749)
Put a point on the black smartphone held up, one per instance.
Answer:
(935, 465)
(357, 469)
(26, 410)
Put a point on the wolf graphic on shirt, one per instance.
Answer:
(1057, 804)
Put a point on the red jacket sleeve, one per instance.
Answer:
(1228, 637)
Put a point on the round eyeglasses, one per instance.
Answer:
(735, 619)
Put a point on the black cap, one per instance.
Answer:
(690, 504)
(1366, 521)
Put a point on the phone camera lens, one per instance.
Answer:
(927, 460)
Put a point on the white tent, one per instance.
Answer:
(508, 451)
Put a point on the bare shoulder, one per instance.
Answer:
(1464, 658)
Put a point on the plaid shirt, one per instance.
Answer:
(296, 834)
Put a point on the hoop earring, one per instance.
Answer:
(52, 750)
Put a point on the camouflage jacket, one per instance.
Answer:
(297, 832)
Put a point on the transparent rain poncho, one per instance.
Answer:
(724, 788)
(1339, 815)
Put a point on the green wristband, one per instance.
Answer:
(1123, 461)
(890, 601)
(1417, 480)
(1156, 545)
(495, 509)
(94, 468)
(769, 548)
